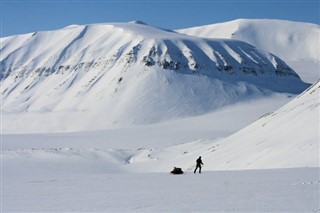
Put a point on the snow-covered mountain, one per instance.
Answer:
(123, 73)
(297, 43)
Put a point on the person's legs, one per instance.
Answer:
(200, 169)
(196, 169)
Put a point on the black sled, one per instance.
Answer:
(176, 171)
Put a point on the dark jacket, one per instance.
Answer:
(199, 161)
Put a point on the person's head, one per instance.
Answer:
(199, 156)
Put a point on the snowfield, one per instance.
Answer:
(276, 140)
(284, 190)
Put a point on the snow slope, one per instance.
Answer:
(218, 124)
(117, 74)
(297, 43)
(286, 138)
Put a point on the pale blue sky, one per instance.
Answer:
(24, 16)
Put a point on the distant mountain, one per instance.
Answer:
(296, 43)
(125, 73)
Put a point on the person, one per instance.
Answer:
(199, 163)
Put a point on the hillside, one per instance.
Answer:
(295, 42)
(286, 138)
(118, 74)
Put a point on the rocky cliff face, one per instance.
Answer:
(105, 45)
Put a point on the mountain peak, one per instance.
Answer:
(138, 22)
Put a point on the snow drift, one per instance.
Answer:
(296, 43)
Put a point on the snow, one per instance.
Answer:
(102, 132)
(71, 77)
(286, 190)
(294, 128)
(88, 178)
(296, 43)
(220, 123)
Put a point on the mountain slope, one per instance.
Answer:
(296, 43)
(289, 137)
(124, 73)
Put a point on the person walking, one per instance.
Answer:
(199, 163)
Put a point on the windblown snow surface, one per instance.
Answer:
(270, 165)
(297, 43)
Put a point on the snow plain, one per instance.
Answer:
(285, 190)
